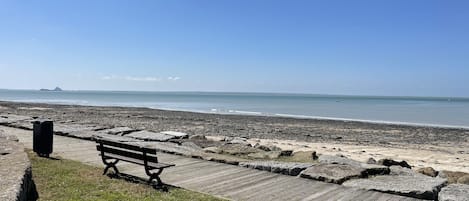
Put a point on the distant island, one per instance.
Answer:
(56, 89)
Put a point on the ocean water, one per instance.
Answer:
(432, 111)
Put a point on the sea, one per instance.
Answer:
(450, 112)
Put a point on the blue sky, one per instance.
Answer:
(418, 47)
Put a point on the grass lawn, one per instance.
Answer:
(70, 180)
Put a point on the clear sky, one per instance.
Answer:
(408, 47)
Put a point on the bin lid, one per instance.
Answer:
(40, 121)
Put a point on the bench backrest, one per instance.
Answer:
(127, 150)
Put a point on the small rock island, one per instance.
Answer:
(56, 89)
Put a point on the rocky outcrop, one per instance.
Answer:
(287, 168)
(422, 187)
(16, 182)
(454, 192)
(333, 173)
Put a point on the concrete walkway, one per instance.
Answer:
(221, 180)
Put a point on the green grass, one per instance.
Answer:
(70, 180)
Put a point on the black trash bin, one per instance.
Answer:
(43, 137)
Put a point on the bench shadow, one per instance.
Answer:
(139, 180)
(50, 158)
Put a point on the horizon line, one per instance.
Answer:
(253, 92)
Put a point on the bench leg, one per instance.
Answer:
(155, 175)
(109, 165)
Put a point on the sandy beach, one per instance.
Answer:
(440, 148)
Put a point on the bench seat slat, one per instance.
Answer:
(137, 161)
(138, 156)
(126, 146)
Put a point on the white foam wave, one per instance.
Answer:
(372, 121)
(55, 101)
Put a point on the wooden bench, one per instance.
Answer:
(112, 152)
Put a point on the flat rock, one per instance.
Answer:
(26, 125)
(417, 187)
(150, 136)
(211, 149)
(371, 169)
(116, 138)
(189, 151)
(267, 147)
(191, 145)
(87, 135)
(237, 149)
(66, 129)
(10, 118)
(238, 140)
(333, 173)
(454, 192)
(222, 158)
(176, 134)
(287, 168)
(216, 138)
(265, 155)
(402, 171)
(171, 148)
(197, 137)
(118, 130)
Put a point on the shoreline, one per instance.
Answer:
(257, 114)
(441, 148)
(238, 125)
